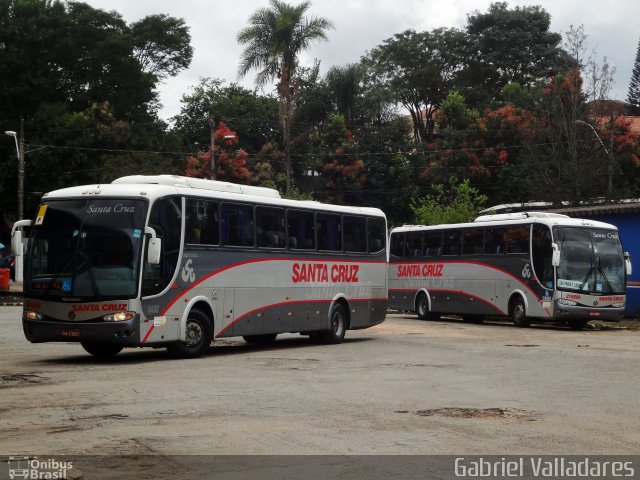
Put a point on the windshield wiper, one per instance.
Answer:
(586, 279)
(604, 275)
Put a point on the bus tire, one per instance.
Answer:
(518, 313)
(102, 350)
(198, 338)
(422, 306)
(265, 339)
(337, 326)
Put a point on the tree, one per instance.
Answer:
(633, 97)
(89, 105)
(254, 117)
(274, 39)
(509, 46)
(162, 45)
(451, 203)
(345, 88)
(418, 69)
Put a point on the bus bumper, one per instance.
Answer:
(566, 312)
(126, 333)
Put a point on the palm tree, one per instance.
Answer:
(274, 39)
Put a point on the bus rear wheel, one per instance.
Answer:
(198, 337)
(102, 350)
(518, 313)
(337, 327)
(422, 306)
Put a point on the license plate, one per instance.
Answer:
(70, 332)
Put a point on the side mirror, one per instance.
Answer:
(555, 256)
(155, 246)
(16, 236)
(627, 262)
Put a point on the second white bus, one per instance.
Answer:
(527, 266)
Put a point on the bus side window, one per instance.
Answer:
(397, 244)
(376, 234)
(495, 241)
(270, 227)
(433, 244)
(414, 244)
(355, 231)
(518, 239)
(237, 225)
(452, 242)
(472, 241)
(301, 230)
(201, 224)
(329, 231)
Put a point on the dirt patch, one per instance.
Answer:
(21, 379)
(484, 413)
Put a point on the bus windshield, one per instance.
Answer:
(85, 249)
(591, 260)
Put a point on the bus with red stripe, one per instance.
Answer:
(174, 262)
(529, 266)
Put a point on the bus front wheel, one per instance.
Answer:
(337, 327)
(102, 350)
(198, 337)
(518, 313)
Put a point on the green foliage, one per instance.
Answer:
(452, 203)
(253, 117)
(454, 112)
(418, 69)
(509, 46)
(162, 45)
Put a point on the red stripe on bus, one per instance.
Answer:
(295, 302)
(450, 262)
(457, 292)
(247, 262)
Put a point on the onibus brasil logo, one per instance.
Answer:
(33, 468)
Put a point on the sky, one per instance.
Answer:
(611, 26)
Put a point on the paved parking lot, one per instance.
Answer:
(403, 387)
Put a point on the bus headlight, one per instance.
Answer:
(119, 316)
(618, 305)
(569, 303)
(31, 315)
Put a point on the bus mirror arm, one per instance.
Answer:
(16, 236)
(627, 262)
(555, 256)
(155, 246)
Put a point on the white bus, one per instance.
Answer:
(529, 266)
(167, 261)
